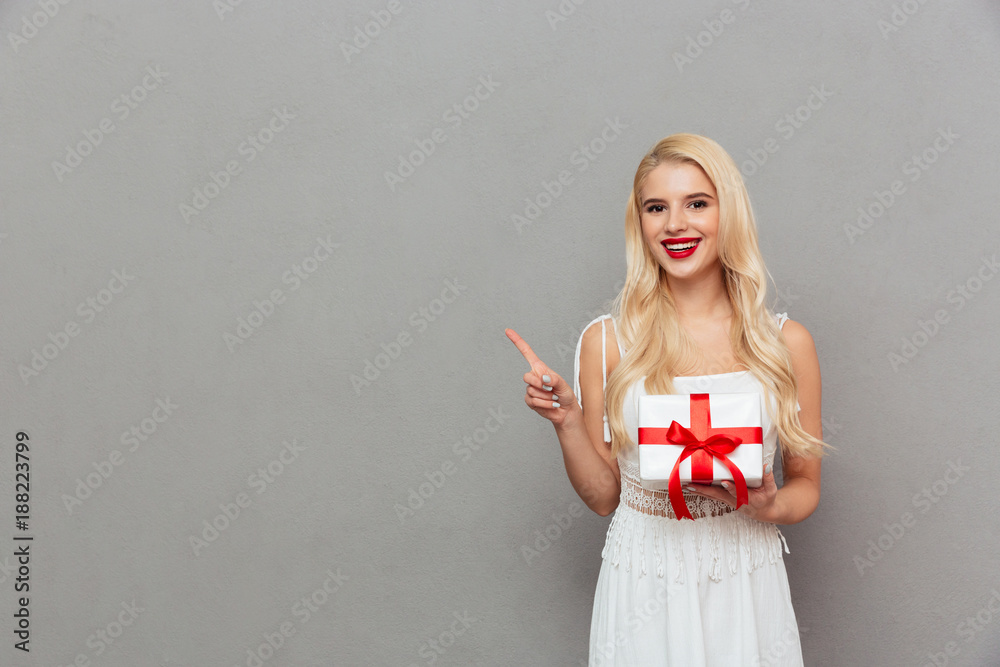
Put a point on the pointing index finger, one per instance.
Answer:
(524, 348)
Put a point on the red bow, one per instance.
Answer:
(714, 443)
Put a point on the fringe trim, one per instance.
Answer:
(720, 539)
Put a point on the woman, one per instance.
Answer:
(690, 319)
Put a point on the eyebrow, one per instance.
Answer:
(695, 195)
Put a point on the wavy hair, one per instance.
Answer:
(646, 315)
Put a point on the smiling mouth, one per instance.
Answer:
(679, 248)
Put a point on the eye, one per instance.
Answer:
(654, 208)
(699, 201)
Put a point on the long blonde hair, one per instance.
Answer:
(646, 315)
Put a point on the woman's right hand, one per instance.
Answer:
(547, 393)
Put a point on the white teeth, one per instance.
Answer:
(681, 246)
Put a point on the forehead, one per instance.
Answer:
(676, 179)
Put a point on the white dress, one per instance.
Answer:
(712, 592)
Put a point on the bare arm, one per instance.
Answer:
(799, 496)
(588, 471)
(549, 395)
(605, 489)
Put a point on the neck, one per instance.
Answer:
(701, 299)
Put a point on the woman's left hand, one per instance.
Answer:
(760, 500)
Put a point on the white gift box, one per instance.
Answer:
(733, 414)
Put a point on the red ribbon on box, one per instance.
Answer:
(702, 444)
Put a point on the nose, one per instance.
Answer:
(675, 221)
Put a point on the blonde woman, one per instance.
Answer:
(691, 318)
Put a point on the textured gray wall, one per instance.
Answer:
(201, 310)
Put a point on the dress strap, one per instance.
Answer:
(604, 367)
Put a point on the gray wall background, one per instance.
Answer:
(880, 574)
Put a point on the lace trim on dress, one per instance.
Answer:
(657, 503)
(717, 534)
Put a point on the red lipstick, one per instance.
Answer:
(680, 254)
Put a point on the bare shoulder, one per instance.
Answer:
(590, 348)
(805, 364)
(590, 358)
(799, 340)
